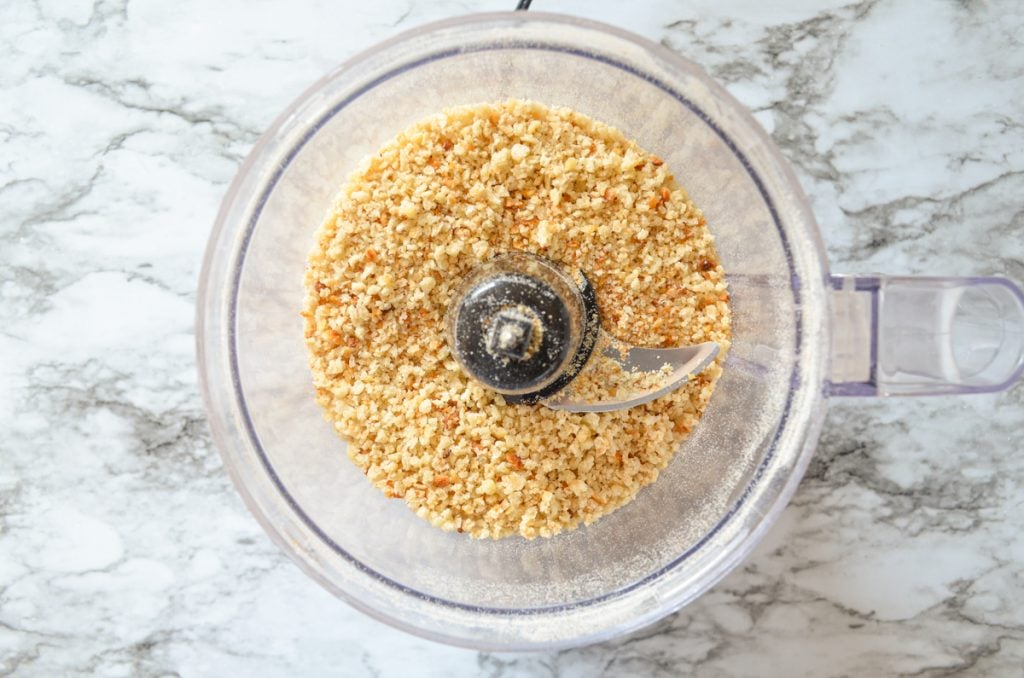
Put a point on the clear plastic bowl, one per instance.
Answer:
(726, 484)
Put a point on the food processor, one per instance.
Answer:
(801, 336)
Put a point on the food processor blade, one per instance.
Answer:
(648, 373)
(526, 328)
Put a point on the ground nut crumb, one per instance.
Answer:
(446, 194)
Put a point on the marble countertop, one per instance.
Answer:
(124, 549)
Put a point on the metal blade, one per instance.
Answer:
(620, 376)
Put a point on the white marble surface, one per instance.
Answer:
(125, 551)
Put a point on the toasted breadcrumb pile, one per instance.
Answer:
(445, 195)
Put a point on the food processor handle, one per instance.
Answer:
(894, 335)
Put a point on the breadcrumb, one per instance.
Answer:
(446, 194)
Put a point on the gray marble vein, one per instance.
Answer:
(124, 550)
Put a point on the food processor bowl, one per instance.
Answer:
(728, 481)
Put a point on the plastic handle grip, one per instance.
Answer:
(895, 335)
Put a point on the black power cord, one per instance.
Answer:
(523, 5)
